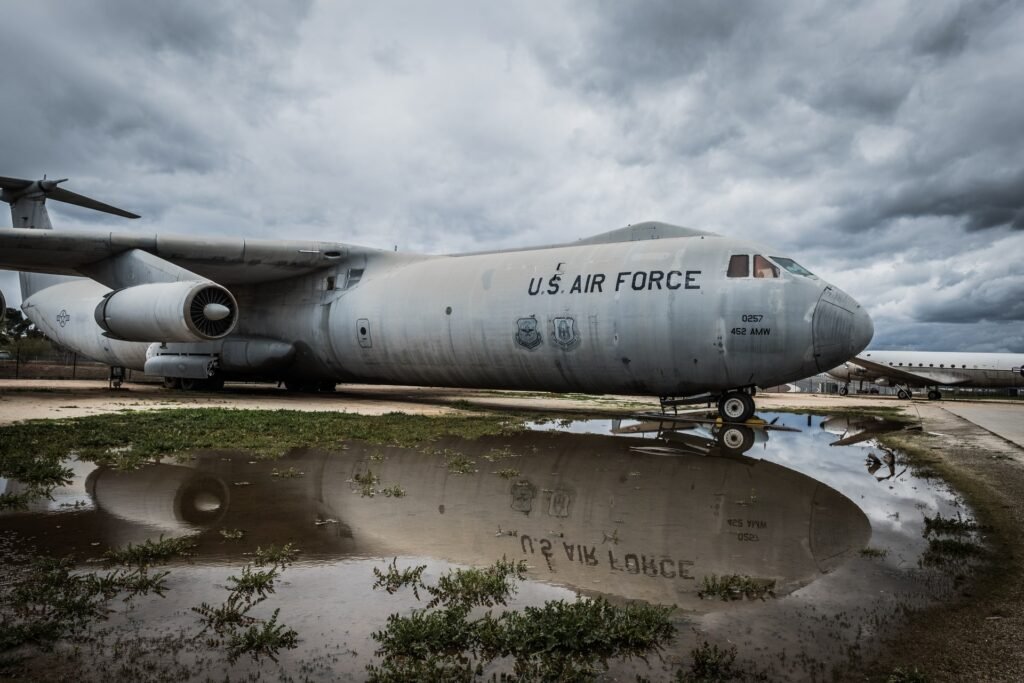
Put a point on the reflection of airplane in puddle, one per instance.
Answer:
(584, 511)
(697, 433)
(858, 428)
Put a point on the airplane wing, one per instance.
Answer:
(225, 260)
(919, 376)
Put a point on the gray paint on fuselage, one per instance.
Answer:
(650, 316)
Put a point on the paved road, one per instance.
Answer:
(1005, 420)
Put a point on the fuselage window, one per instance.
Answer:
(739, 265)
(792, 266)
(764, 268)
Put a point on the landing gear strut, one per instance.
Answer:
(736, 406)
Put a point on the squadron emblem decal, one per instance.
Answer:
(565, 333)
(528, 334)
(63, 317)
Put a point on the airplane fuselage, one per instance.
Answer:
(654, 317)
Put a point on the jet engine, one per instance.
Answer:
(168, 312)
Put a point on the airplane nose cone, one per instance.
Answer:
(841, 328)
(863, 330)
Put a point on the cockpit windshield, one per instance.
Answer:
(764, 268)
(792, 266)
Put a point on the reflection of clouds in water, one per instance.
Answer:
(895, 507)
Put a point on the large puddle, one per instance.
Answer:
(810, 507)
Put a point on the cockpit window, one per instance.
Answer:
(764, 268)
(739, 265)
(792, 266)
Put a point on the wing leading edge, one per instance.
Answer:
(225, 260)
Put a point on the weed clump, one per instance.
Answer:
(736, 587)
(946, 550)
(876, 553)
(150, 552)
(901, 675)
(230, 622)
(44, 600)
(951, 526)
(445, 641)
(458, 463)
(711, 664)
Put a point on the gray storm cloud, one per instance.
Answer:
(879, 143)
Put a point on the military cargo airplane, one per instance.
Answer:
(932, 369)
(651, 309)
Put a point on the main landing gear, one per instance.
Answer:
(934, 395)
(844, 390)
(736, 406)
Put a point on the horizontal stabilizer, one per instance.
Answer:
(18, 188)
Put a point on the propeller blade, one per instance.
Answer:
(68, 197)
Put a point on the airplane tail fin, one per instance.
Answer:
(28, 210)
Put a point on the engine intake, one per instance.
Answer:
(168, 312)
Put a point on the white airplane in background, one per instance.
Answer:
(932, 369)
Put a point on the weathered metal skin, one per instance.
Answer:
(478, 324)
(646, 309)
(655, 317)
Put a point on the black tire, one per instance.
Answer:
(188, 384)
(903, 394)
(736, 439)
(843, 391)
(934, 395)
(172, 383)
(736, 406)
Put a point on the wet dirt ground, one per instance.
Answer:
(811, 507)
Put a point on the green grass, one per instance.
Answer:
(453, 638)
(34, 450)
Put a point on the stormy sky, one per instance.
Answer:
(881, 144)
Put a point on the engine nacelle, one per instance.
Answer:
(168, 312)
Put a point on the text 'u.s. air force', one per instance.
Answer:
(638, 281)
